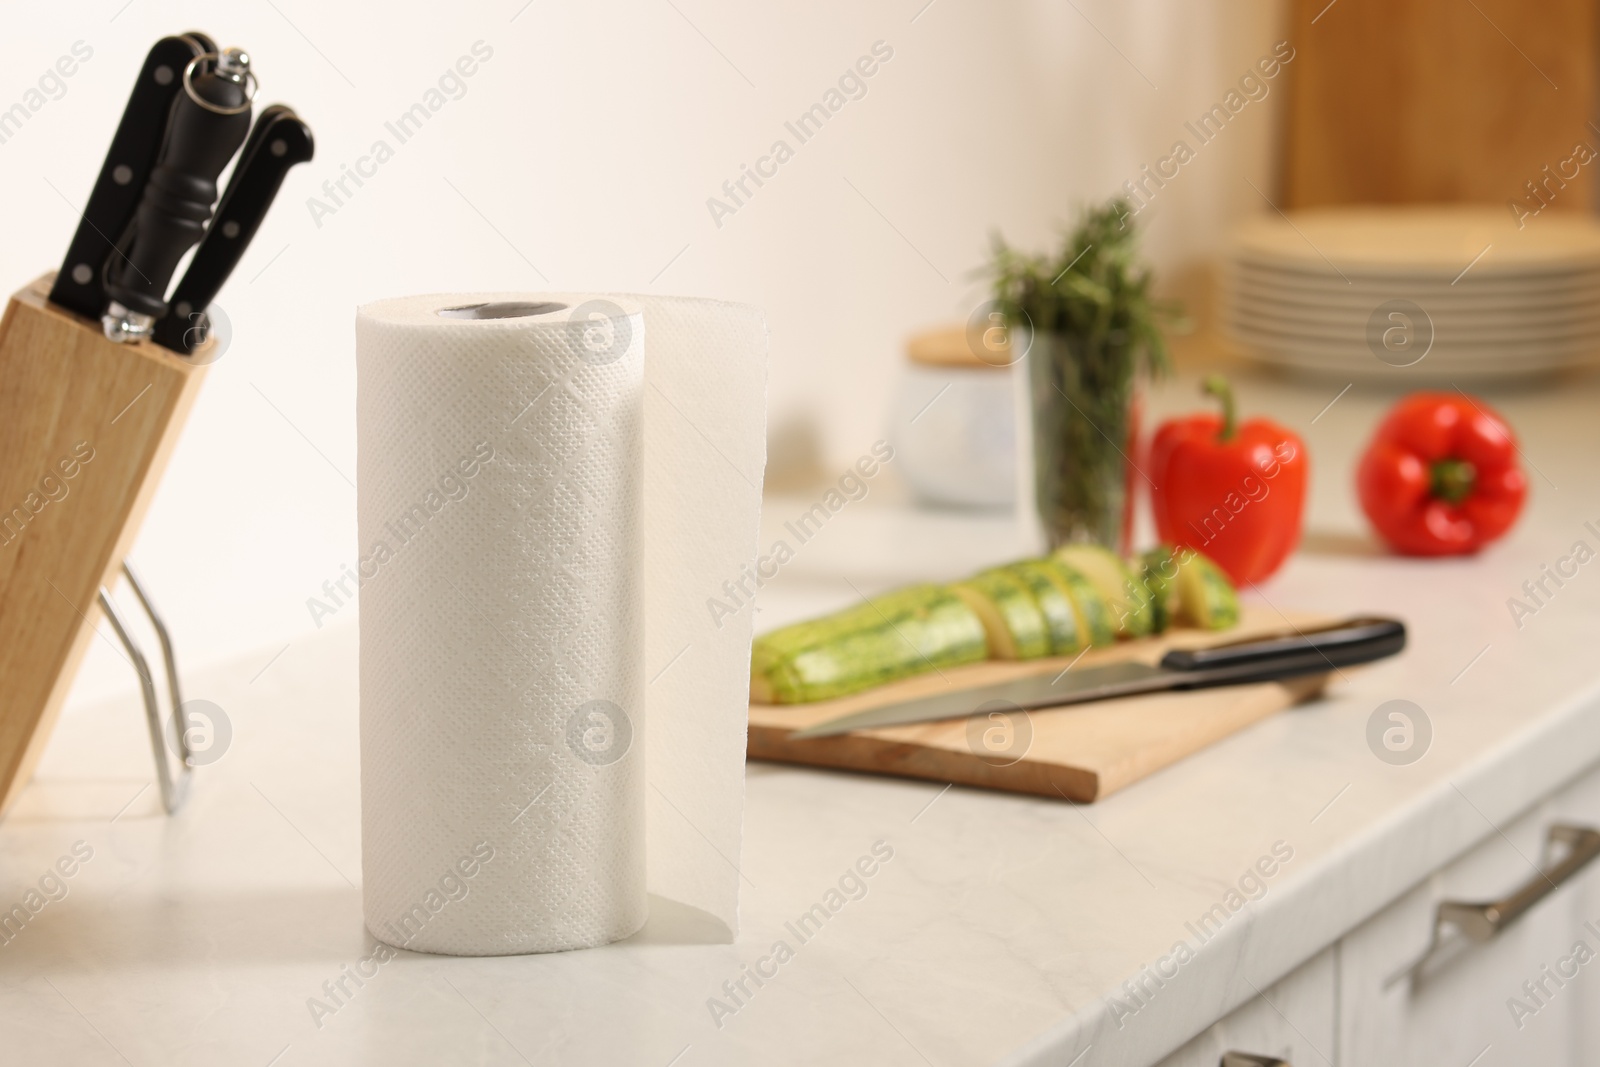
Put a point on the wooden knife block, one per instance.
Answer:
(67, 393)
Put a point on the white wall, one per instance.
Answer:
(591, 141)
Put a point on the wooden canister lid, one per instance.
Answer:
(949, 346)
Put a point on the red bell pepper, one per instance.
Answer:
(1441, 476)
(1233, 492)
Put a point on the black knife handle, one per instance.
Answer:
(80, 283)
(1290, 653)
(200, 139)
(279, 141)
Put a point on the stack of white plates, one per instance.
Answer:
(1436, 293)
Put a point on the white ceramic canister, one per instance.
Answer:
(954, 422)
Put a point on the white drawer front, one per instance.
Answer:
(1500, 1003)
(1580, 804)
(1292, 1020)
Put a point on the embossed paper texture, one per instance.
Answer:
(552, 719)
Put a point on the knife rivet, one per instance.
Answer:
(279, 147)
(230, 229)
(82, 273)
(122, 174)
(164, 75)
(184, 309)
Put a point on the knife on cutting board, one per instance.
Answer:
(1265, 658)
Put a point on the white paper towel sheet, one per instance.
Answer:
(551, 489)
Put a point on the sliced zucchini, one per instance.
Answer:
(893, 636)
(1055, 602)
(786, 641)
(1206, 598)
(1159, 578)
(1116, 583)
(1095, 619)
(1011, 617)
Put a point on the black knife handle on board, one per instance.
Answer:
(209, 121)
(1290, 653)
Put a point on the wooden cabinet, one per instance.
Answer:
(1423, 101)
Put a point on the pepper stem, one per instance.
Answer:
(1452, 480)
(1216, 385)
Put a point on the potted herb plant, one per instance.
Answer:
(1091, 336)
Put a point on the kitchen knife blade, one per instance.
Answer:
(1264, 658)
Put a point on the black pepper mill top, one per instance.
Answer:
(208, 122)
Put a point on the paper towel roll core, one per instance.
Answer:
(501, 309)
(538, 537)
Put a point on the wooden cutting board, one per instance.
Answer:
(1077, 753)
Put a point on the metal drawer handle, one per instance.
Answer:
(1250, 1059)
(1480, 922)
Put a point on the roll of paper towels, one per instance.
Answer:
(552, 492)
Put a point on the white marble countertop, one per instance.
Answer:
(997, 931)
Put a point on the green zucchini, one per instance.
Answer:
(905, 632)
(1159, 580)
(1095, 620)
(1011, 617)
(1115, 583)
(1055, 602)
(1205, 596)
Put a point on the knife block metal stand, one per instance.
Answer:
(65, 390)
